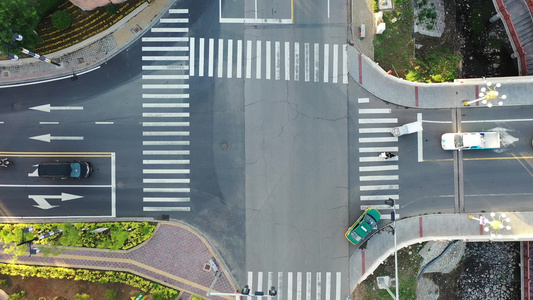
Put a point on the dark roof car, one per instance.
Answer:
(64, 170)
(362, 227)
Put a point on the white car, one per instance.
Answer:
(470, 140)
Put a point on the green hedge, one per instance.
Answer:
(45, 6)
(146, 286)
(61, 20)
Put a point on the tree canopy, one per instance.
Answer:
(18, 16)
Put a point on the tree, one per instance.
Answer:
(18, 16)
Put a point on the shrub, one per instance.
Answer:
(61, 20)
(110, 294)
(45, 6)
(111, 9)
(82, 297)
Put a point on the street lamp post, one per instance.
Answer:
(15, 57)
(487, 95)
(392, 203)
(39, 237)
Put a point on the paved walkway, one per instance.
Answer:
(175, 256)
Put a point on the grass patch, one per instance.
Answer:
(408, 267)
(394, 48)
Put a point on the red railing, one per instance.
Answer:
(514, 36)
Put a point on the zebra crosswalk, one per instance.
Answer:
(378, 179)
(165, 115)
(270, 60)
(297, 285)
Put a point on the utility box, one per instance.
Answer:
(385, 4)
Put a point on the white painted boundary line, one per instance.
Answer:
(169, 29)
(318, 285)
(379, 187)
(379, 197)
(338, 286)
(335, 62)
(258, 60)
(268, 67)
(178, 11)
(326, 62)
(374, 121)
(374, 130)
(317, 62)
(297, 61)
(145, 208)
(165, 199)
(48, 80)
(248, 59)
(287, 61)
(170, 58)
(211, 57)
(363, 100)
(230, 58)
(306, 57)
(255, 21)
(345, 64)
(419, 140)
(220, 57)
(191, 56)
(375, 110)
(277, 60)
(239, 58)
(113, 185)
(201, 58)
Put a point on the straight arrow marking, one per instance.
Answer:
(48, 108)
(48, 137)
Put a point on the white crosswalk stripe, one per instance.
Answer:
(166, 174)
(296, 285)
(286, 60)
(378, 177)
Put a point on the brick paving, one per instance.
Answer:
(175, 256)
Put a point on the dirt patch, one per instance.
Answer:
(37, 288)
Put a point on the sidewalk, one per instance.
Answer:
(413, 230)
(175, 256)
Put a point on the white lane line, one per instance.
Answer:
(318, 285)
(230, 59)
(375, 130)
(183, 48)
(166, 171)
(376, 158)
(165, 77)
(201, 57)
(379, 197)
(145, 208)
(379, 187)
(297, 61)
(178, 11)
(166, 161)
(104, 123)
(165, 86)
(382, 120)
(166, 133)
(191, 56)
(277, 57)
(328, 274)
(165, 199)
(287, 61)
(211, 62)
(49, 123)
(289, 286)
(166, 152)
(306, 63)
(378, 178)
(378, 149)
(157, 105)
(166, 180)
(166, 115)
(345, 64)
(420, 140)
(308, 286)
(239, 58)
(165, 58)
(335, 62)
(375, 111)
(338, 286)
(169, 30)
(220, 57)
(268, 67)
(165, 39)
(326, 62)
(299, 286)
(363, 100)
(165, 96)
(328, 18)
(166, 143)
(378, 139)
(174, 20)
(164, 68)
(248, 59)
(378, 168)
(258, 60)
(317, 62)
(166, 124)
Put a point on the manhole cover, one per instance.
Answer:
(17, 106)
(5, 74)
(224, 146)
(121, 184)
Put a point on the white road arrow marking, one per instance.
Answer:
(43, 204)
(34, 173)
(47, 138)
(48, 108)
